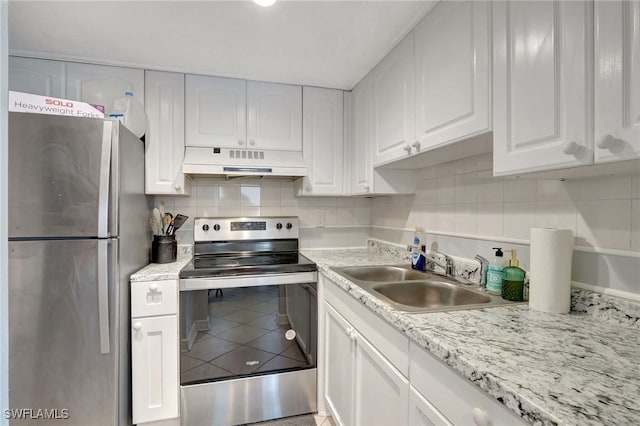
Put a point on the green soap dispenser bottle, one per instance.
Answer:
(513, 279)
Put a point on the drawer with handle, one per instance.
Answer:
(150, 298)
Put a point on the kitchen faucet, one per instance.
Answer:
(484, 267)
(448, 264)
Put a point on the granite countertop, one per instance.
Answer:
(164, 271)
(579, 368)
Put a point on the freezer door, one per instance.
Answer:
(62, 353)
(59, 171)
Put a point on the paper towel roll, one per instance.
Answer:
(550, 277)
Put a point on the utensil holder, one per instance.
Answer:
(164, 249)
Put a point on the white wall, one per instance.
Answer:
(4, 281)
(346, 219)
(463, 197)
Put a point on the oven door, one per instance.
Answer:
(248, 348)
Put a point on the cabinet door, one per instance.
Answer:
(453, 55)
(394, 104)
(361, 107)
(154, 368)
(322, 141)
(381, 392)
(101, 85)
(36, 76)
(274, 116)
(541, 89)
(422, 412)
(164, 105)
(617, 80)
(215, 111)
(339, 359)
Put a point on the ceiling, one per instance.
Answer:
(319, 43)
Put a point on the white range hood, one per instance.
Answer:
(205, 161)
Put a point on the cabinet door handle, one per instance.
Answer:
(177, 188)
(366, 188)
(609, 142)
(240, 142)
(408, 149)
(252, 142)
(480, 417)
(153, 287)
(571, 148)
(137, 326)
(416, 145)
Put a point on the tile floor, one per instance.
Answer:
(306, 420)
(244, 337)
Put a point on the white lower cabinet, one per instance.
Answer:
(382, 392)
(373, 374)
(422, 412)
(447, 398)
(154, 351)
(362, 387)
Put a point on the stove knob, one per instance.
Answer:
(278, 226)
(216, 227)
(289, 225)
(205, 227)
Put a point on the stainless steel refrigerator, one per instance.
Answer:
(78, 222)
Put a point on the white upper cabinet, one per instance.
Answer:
(274, 116)
(541, 89)
(394, 104)
(617, 80)
(215, 111)
(164, 105)
(452, 71)
(231, 113)
(36, 76)
(101, 85)
(361, 142)
(322, 142)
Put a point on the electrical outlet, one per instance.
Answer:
(320, 218)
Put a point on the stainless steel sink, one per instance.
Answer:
(408, 290)
(384, 273)
(430, 294)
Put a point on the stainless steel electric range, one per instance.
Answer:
(248, 323)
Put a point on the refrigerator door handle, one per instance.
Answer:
(103, 294)
(103, 190)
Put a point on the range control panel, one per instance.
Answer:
(245, 228)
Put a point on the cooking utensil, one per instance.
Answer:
(154, 226)
(157, 217)
(161, 209)
(167, 219)
(176, 223)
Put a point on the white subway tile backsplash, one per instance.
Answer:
(465, 189)
(250, 196)
(230, 196)
(556, 190)
(517, 190)
(604, 223)
(635, 187)
(362, 215)
(207, 195)
(519, 218)
(466, 218)
(604, 188)
(446, 190)
(556, 214)
(488, 189)
(446, 221)
(490, 220)
(635, 225)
